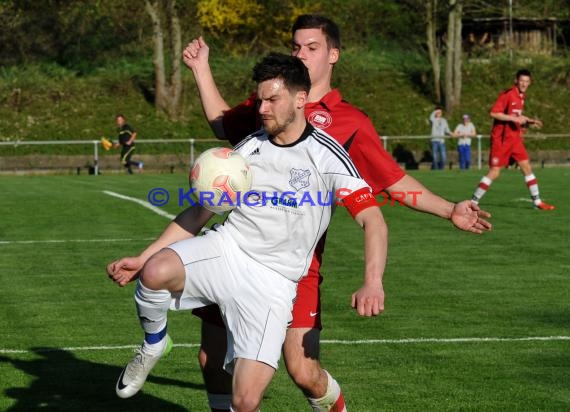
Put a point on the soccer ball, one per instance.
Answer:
(219, 178)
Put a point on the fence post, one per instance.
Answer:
(191, 152)
(95, 157)
(479, 154)
(385, 140)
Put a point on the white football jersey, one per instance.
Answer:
(280, 220)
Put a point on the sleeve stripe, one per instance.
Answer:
(245, 140)
(336, 150)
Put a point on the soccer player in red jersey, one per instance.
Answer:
(507, 139)
(316, 41)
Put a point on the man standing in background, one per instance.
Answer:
(439, 130)
(127, 136)
(464, 131)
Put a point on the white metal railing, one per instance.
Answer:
(192, 144)
(479, 137)
(426, 137)
(97, 143)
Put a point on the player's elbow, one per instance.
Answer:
(372, 219)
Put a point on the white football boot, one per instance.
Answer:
(134, 375)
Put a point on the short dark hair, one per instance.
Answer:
(317, 21)
(523, 72)
(291, 70)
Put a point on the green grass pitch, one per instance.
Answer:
(459, 333)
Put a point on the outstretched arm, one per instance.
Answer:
(195, 56)
(369, 299)
(187, 224)
(464, 215)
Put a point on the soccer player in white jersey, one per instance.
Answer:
(249, 266)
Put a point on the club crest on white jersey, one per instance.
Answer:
(299, 179)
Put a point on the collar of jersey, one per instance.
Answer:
(515, 90)
(328, 101)
(308, 130)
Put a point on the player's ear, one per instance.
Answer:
(301, 99)
(334, 55)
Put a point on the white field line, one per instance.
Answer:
(143, 203)
(114, 194)
(324, 341)
(31, 242)
(444, 340)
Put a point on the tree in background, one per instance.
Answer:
(165, 23)
(453, 50)
(432, 46)
(453, 56)
(84, 36)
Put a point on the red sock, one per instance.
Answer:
(339, 405)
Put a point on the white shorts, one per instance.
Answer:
(255, 301)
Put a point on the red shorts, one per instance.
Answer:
(306, 308)
(503, 149)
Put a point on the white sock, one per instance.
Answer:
(481, 189)
(327, 402)
(532, 185)
(152, 309)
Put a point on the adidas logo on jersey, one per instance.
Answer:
(255, 152)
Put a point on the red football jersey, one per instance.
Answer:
(510, 102)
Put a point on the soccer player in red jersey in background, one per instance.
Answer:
(507, 139)
(316, 41)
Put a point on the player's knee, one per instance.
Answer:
(494, 173)
(246, 401)
(160, 271)
(526, 168)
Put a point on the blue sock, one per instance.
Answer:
(154, 338)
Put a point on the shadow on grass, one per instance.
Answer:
(63, 382)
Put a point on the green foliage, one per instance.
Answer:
(541, 8)
(230, 17)
(66, 73)
(51, 102)
(86, 34)
(248, 25)
(364, 21)
(79, 34)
